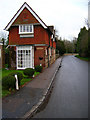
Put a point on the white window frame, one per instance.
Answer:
(27, 27)
(27, 48)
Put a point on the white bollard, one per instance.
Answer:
(40, 64)
(17, 87)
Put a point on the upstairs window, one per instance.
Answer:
(25, 29)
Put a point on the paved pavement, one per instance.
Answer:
(69, 98)
(18, 104)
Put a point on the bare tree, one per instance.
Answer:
(3, 34)
(3, 37)
(87, 23)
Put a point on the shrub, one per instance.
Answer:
(38, 68)
(19, 75)
(29, 72)
(6, 65)
(8, 82)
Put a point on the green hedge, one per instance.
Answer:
(29, 72)
(8, 82)
(38, 68)
(19, 75)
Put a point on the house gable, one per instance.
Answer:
(24, 7)
(25, 17)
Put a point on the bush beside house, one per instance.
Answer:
(8, 82)
(38, 68)
(19, 75)
(29, 72)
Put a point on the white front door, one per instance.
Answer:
(24, 57)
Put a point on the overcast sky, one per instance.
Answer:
(68, 16)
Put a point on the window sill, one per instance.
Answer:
(26, 36)
(26, 33)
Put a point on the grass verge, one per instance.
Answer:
(23, 81)
(83, 58)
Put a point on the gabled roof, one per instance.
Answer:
(25, 5)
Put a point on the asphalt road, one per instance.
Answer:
(69, 98)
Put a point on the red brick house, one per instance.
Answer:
(31, 41)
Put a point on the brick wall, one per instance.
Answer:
(40, 36)
(39, 53)
(50, 57)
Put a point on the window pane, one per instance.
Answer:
(18, 51)
(26, 52)
(27, 28)
(23, 28)
(29, 51)
(30, 28)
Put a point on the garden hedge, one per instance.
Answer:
(38, 68)
(8, 82)
(19, 75)
(29, 72)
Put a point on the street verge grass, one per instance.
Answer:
(83, 58)
(22, 83)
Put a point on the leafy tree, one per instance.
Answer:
(60, 46)
(68, 46)
(74, 45)
(82, 42)
(4, 39)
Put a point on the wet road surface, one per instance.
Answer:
(69, 98)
